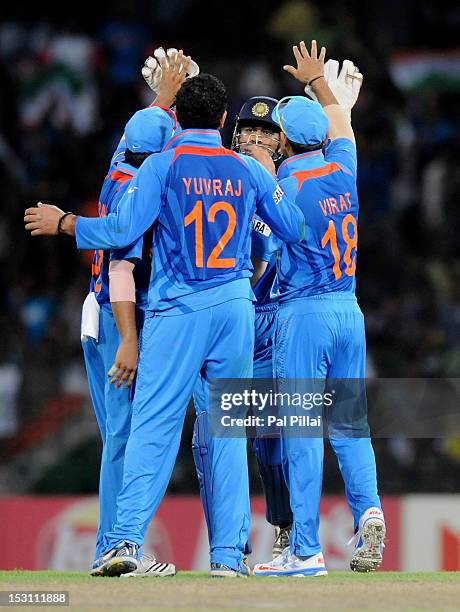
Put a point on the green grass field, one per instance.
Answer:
(344, 591)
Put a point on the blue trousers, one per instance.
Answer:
(318, 338)
(112, 408)
(268, 451)
(175, 351)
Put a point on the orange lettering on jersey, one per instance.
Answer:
(217, 186)
(207, 186)
(229, 188)
(333, 204)
(347, 195)
(343, 204)
(187, 183)
(323, 203)
(239, 189)
(195, 186)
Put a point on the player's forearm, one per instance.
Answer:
(125, 318)
(339, 119)
(122, 290)
(284, 217)
(259, 270)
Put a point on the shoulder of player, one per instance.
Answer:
(157, 163)
(338, 145)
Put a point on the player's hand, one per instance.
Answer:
(173, 73)
(262, 155)
(43, 220)
(124, 369)
(309, 65)
(345, 86)
(152, 70)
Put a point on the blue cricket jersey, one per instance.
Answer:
(113, 189)
(265, 246)
(201, 198)
(324, 188)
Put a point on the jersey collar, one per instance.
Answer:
(304, 161)
(124, 167)
(195, 137)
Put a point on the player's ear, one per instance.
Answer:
(284, 144)
(222, 120)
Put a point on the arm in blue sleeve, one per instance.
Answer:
(133, 251)
(264, 242)
(136, 212)
(343, 152)
(277, 208)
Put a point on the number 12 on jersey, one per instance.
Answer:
(196, 216)
(351, 242)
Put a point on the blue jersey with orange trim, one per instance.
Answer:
(264, 247)
(202, 199)
(324, 187)
(113, 189)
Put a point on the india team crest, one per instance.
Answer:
(260, 109)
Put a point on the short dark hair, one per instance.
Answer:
(200, 102)
(298, 149)
(135, 159)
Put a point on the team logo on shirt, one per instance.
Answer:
(278, 195)
(260, 109)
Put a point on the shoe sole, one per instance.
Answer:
(305, 574)
(166, 574)
(369, 557)
(222, 574)
(118, 566)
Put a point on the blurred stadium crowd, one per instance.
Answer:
(68, 87)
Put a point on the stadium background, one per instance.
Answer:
(70, 79)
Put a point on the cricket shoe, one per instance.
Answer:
(369, 541)
(219, 570)
(117, 561)
(148, 566)
(282, 537)
(288, 564)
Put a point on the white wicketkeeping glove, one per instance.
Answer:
(152, 71)
(345, 86)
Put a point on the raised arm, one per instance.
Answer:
(338, 97)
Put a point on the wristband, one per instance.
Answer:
(59, 227)
(321, 76)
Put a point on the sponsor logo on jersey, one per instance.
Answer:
(261, 227)
(278, 195)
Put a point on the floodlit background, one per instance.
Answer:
(70, 79)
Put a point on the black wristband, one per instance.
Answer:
(321, 76)
(59, 227)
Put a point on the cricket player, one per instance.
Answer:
(200, 198)
(254, 127)
(105, 347)
(320, 327)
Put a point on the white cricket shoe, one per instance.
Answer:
(148, 566)
(288, 564)
(369, 541)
